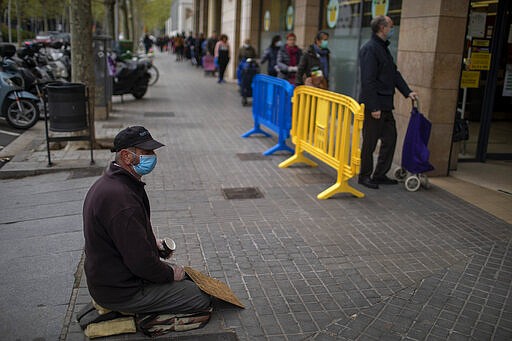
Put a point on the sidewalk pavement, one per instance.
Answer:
(394, 265)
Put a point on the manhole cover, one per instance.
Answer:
(242, 193)
(314, 178)
(251, 156)
(158, 114)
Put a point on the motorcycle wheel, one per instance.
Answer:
(140, 91)
(24, 119)
(154, 74)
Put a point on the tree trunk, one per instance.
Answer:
(18, 23)
(82, 67)
(126, 29)
(110, 19)
(132, 27)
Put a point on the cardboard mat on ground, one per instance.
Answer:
(213, 287)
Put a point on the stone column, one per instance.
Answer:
(306, 21)
(429, 58)
(229, 25)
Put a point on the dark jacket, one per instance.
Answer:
(246, 52)
(379, 76)
(120, 248)
(310, 61)
(270, 55)
(283, 61)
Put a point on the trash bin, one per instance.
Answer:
(67, 107)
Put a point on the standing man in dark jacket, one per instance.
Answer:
(379, 77)
(122, 259)
(315, 60)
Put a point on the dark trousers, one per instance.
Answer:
(373, 130)
(222, 69)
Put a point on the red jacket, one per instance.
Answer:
(120, 248)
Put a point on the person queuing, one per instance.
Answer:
(379, 78)
(288, 58)
(313, 68)
(221, 55)
(270, 55)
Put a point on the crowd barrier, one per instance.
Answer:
(327, 126)
(271, 107)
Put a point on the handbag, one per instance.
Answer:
(316, 79)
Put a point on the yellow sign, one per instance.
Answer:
(289, 18)
(470, 79)
(481, 42)
(332, 13)
(480, 61)
(380, 7)
(266, 21)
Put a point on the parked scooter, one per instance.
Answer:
(35, 73)
(130, 77)
(19, 107)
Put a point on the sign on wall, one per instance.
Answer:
(266, 21)
(380, 7)
(289, 18)
(333, 9)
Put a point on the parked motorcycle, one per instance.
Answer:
(36, 74)
(154, 74)
(130, 76)
(19, 107)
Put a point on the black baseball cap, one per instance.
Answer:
(136, 136)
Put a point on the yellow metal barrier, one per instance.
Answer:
(328, 126)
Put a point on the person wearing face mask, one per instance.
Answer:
(288, 59)
(123, 264)
(379, 78)
(270, 55)
(313, 68)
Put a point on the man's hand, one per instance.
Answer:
(376, 114)
(179, 272)
(413, 96)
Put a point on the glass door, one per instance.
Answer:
(485, 98)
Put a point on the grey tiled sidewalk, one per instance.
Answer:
(394, 265)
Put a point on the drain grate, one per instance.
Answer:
(251, 156)
(315, 178)
(112, 125)
(242, 193)
(158, 114)
(86, 172)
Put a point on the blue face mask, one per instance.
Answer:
(390, 33)
(146, 164)
(324, 44)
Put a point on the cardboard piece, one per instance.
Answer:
(213, 287)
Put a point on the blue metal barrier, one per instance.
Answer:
(272, 107)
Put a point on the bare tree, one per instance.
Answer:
(82, 68)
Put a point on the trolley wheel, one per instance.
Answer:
(412, 183)
(424, 181)
(244, 101)
(400, 173)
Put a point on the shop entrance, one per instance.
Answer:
(485, 100)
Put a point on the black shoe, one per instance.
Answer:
(384, 180)
(367, 182)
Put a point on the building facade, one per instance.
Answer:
(456, 54)
(182, 18)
